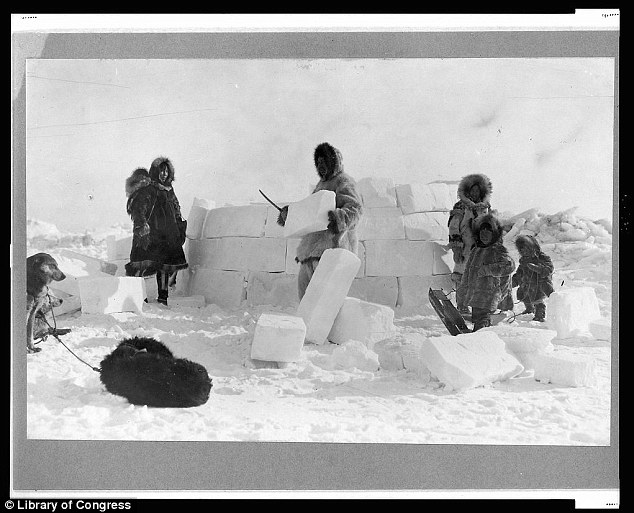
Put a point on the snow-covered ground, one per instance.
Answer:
(317, 399)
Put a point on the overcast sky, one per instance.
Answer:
(541, 129)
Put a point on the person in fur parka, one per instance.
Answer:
(159, 229)
(487, 276)
(474, 194)
(533, 276)
(341, 232)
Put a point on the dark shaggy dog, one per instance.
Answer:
(144, 371)
(41, 270)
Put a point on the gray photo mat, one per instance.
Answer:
(45, 465)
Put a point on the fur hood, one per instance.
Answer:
(528, 241)
(483, 181)
(156, 166)
(496, 227)
(332, 160)
(137, 180)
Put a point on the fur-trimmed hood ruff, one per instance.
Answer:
(137, 180)
(158, 164)
(332, 161)
(528, 241)
(496, 228)
(468, 181)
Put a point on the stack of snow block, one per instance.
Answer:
(524, 343)
(469, 360)
(571, 310)
(111, 294)
(565, 369)
(363, 321)
(326, 292)
(402, 248)
(278, 338)
(76, 267)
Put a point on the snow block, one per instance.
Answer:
(571, 310)
(223, 288)
(601, 329)
(353, 354)
(187, 301)
(362, 321)
(376, 289)
(413, 292)
(278, 338)
(239, 254)
(443, 259)
(469, 360)
(75, 268)
(278, 289)
(398, 258)
(150, 288)
(91, 264)
(111, 294)
(412, 355)
(326, 292)
(309, 215)
(418, 197)
(197, 216)
(271, 228)
(377, 192)
(426, 226)
(240, 221)
(120, 266)
(565, 369)
(381, 223)
(292, 267)
(118, 247)
(390, 354)
(524, 343)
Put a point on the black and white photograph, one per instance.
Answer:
(362, 250)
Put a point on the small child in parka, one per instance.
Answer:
(533, 276)
(487, 276)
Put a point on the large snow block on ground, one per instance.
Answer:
(118, 247)
(111, 294)
(426, 226)
(376, 289)
(413, 292)
(601, 329)
(278, 338)
(75, 268)
(363, 321)
(279, 289)
(309, 215)
(571, 310)
(565, 369)
(381, 223)
(398, 258)
(196, 218)
(240, 221)
(418, 197)
(91, 264)
(469, 360)
(222, 288)
(377, 192)
(524, 343)
(150, 288)
(239, 254)
(326, 292)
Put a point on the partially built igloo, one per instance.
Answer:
(238, 254)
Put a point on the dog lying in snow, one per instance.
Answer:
(145, 372)
(41, 271)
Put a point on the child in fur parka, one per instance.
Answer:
(487, 276)
(343, 220)
(533, 276)
(474, 193)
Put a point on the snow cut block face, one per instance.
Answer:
(565, 369)
(524, 343)
(118, 248)
(469, 360)
(381, 223)
(571, 310)
(278, 338)
(196, 218)
(326, 292)
(363, 321)
(239, 221)
(309, 215)
(111, 294)
(418, 197)
(426, 226)
(377, 192)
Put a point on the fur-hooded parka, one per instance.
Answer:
(348, 203)
(487, 277)
(153, 205)
(464, 213)
(534, 281)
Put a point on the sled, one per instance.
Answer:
(447, 312)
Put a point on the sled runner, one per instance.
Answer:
(447, 312)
